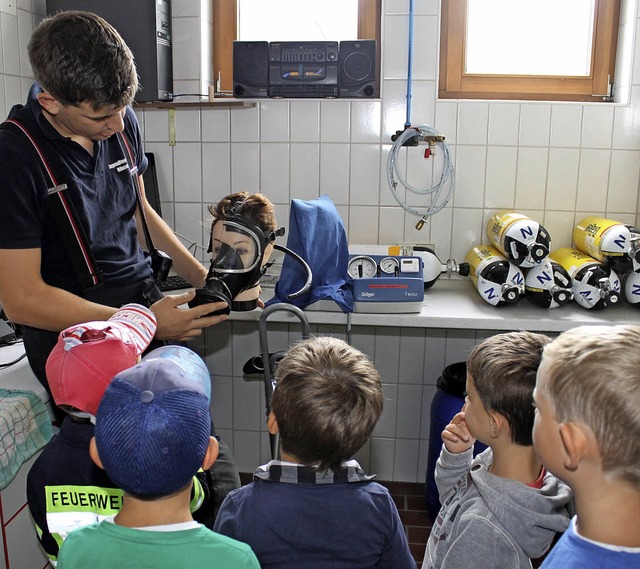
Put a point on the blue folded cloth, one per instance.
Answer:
(317, 234)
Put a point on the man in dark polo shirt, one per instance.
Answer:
(86, 79)
(65, 141)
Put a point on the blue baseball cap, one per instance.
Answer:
(153, 427)
(188, 360)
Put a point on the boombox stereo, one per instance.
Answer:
(303, 69)
(314, 69)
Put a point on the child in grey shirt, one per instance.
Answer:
(501, 508)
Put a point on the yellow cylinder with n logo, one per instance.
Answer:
(611, 242)
(498, 281)
(594, 284)
(521, 239)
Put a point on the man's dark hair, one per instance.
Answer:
(79, 57)
(503, 368)
(327, 400)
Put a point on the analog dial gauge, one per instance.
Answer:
(362, 267)
(389, 265)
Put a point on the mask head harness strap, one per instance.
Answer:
(227, 271)
(228, 276)
(263, 238)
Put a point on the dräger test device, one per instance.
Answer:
(386, 283)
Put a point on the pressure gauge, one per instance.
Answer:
(389, 265)
(362, 267)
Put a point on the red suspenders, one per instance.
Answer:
(70, 228)
(64, 213)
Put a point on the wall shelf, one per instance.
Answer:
(223, 102)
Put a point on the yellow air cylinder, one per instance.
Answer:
(498, 281)
(521, 239)
(594, 284)
(548, 285)
(611, 242)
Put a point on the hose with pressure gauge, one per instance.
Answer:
(439, 194)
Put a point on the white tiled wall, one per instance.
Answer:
(553, 161)
(409, 362)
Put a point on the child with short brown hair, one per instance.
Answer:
(315, 508)
(501, 507)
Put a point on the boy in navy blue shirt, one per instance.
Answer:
(316, 508)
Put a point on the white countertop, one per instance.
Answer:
(19, 375)
(454, 304)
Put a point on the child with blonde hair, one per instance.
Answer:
(587, 432)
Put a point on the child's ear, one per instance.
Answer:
(272, 424)
(211, 454)
(497, 424)
(93, 453)
(574, 442)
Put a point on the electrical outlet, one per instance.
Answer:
(9, 7)
(408, 248)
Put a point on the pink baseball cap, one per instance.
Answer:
(87, 356)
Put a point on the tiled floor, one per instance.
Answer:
(411, 504)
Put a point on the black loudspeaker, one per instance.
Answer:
(357, 66)
(250, 68)
(145, 25)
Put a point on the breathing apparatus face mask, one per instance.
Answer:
(240, 251)
(238, 248)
